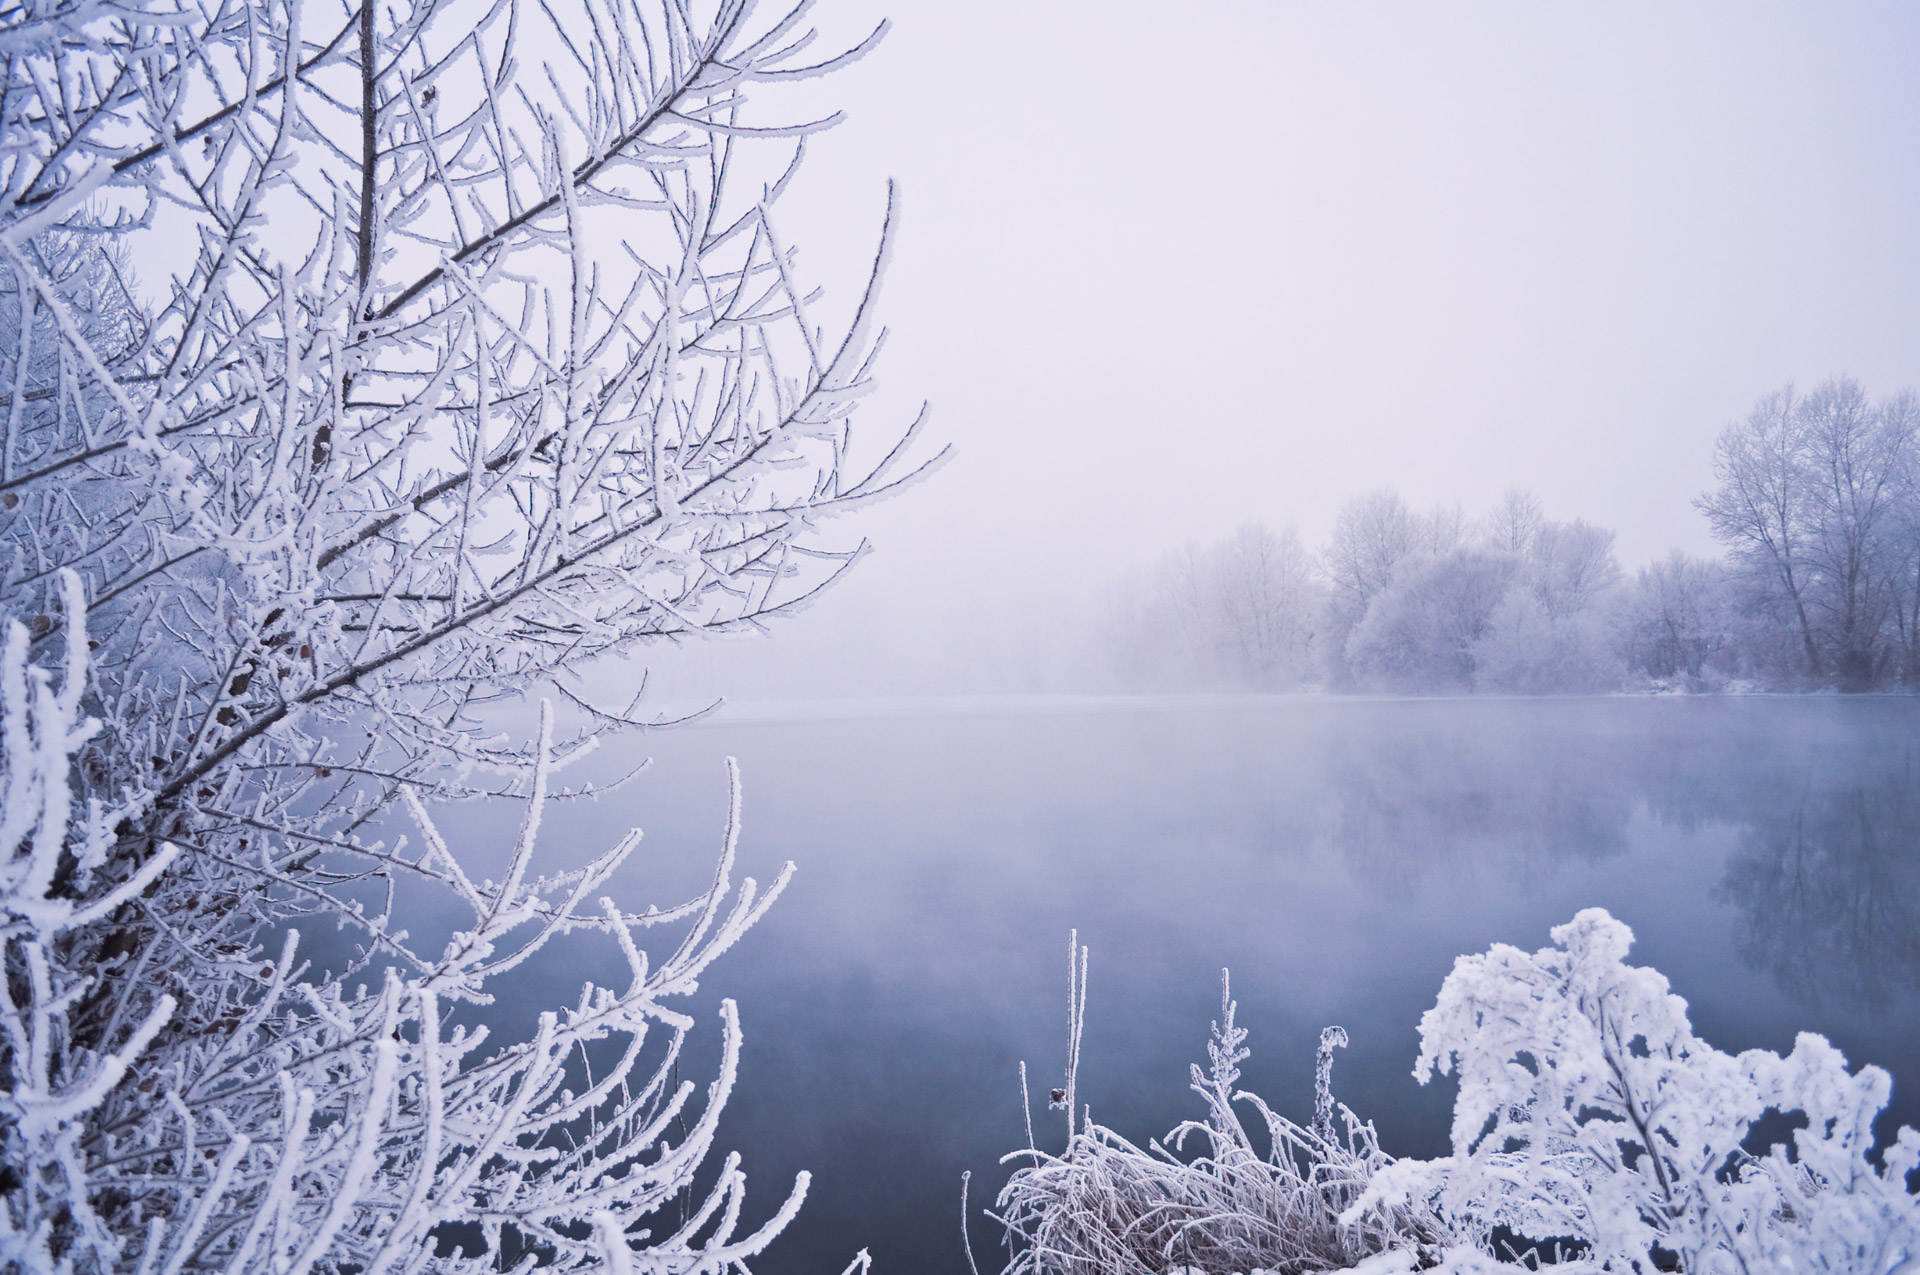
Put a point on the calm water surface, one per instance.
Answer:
(1336, 854)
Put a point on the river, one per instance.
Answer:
(1336, 854)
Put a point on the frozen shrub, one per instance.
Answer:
(1593, 1131)
(1591, 1115)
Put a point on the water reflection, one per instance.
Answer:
(1338, 855)
(1826, 876)
(1435, 799)
(1828, 887)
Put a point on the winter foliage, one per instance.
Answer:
(464, 350)
(314, 1125)
(1816, 498)
(1589, 1113)
(1591, 1128)
(1396, 601)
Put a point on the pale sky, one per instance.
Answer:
(1166, 268)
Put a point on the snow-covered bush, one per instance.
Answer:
(1590, 1115)
(1592, 1128)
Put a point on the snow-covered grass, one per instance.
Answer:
(1592, 1127)
(1106, 1206)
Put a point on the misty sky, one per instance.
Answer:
(1169, 268)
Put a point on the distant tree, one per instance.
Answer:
(1374, 536)
(1571, 567)
(1854, 452)
(1441, 529)
(1523, 608)
(1157, 625)
(1676, 618)
(1513, 522)
(1761, 507)
(1371, 536)
(1183, 611)
(1422, 632)
(1811, 499)
(1552, 632)
(1529, 650)
(1267, 599)
(1901, 545)
(1239, 612)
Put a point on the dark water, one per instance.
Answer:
(1337, 855)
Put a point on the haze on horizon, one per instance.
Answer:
(1162, 274)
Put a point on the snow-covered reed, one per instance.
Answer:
(1207, 1199)
(1593, 1131)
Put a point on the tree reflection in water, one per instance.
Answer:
(1828, 887)
(1822, 799)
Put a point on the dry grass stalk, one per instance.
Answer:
(1108, 1207)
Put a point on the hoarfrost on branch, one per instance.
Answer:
(463, 350)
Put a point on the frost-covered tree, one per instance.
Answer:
(1902, 557)
(1812, 499)
(1266, 597)
(1239, 612)
(1422, 633)
(467, 350)
(1677, 618)
(1529, 649)
(1371, 536)
(1854, 471)
(1759, 509)
(1166, 623)
(1513, 522)
(1571, 567)
(1552, 632)
(1374, 537)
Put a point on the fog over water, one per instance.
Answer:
(1395, 477)
(1161, 273)
(1337, 853)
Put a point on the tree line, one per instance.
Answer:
(1815, 498)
